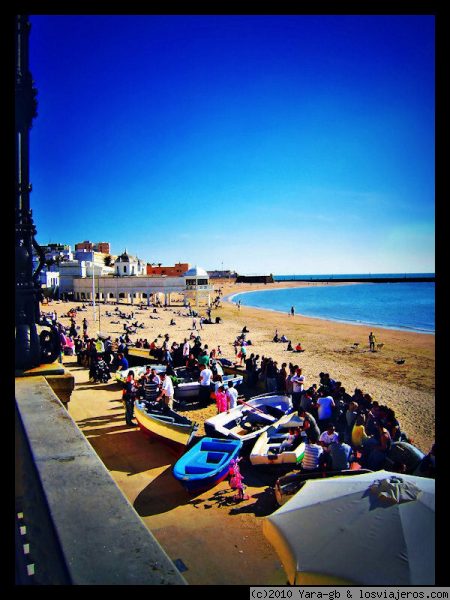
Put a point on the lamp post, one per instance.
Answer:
(28, 352)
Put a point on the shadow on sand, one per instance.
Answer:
(162, 495)
(125, 449)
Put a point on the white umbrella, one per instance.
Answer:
(370, 529)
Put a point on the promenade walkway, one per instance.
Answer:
(212, 540)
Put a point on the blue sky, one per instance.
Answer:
(283, 144)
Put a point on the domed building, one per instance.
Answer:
(197, 285)
(126, 265)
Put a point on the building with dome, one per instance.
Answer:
(126, 265)
(130, 284)
(197, 285)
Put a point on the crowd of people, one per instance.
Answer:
(339, 427)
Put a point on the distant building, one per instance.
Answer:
(103, 247)
(57, 251)
(126, 265)
(176, 271)
(193, 286)
(254, 279)
(222, 274)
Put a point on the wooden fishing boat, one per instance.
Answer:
(269, 448)
(206, 464)
(249, 419)
(156, 420)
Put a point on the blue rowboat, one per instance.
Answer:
(206, 464)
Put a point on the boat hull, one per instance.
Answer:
(248, 421)
(188, 390)
(206, 464)
(268, 447)
(176, 434)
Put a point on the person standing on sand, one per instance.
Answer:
(205, 385)
(130, 393)
(292, 311)
(167, 391)
(232, 396)
(372, 340)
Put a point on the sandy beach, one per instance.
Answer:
(219, 542)
(329, 347)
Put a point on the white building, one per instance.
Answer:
(126, 265)
(144, 289)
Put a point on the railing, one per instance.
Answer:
(73, 522)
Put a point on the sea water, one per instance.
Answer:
(404, 306)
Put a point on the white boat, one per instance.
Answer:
(268, 449)
(250, 418)
(191, 389)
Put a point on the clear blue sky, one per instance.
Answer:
(283, 144)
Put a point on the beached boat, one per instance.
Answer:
(249, 419)
(206, 464)
(189, 388)
(269, 449)
(287, 486)
(161, 422)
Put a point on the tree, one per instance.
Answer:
(108, 260)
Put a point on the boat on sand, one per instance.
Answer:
(271, 446)
(249, 419)
(206, 464)
(159, 421)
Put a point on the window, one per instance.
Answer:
(124, 269)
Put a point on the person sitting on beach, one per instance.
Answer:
(283, 339)
(291, 441)
(245, 330)
(298, 348)
(359, 434)
(340, 455)
(275, 337)
(311, 456)
(328, 436)
(374, 454)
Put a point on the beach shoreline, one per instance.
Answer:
(230, 298)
